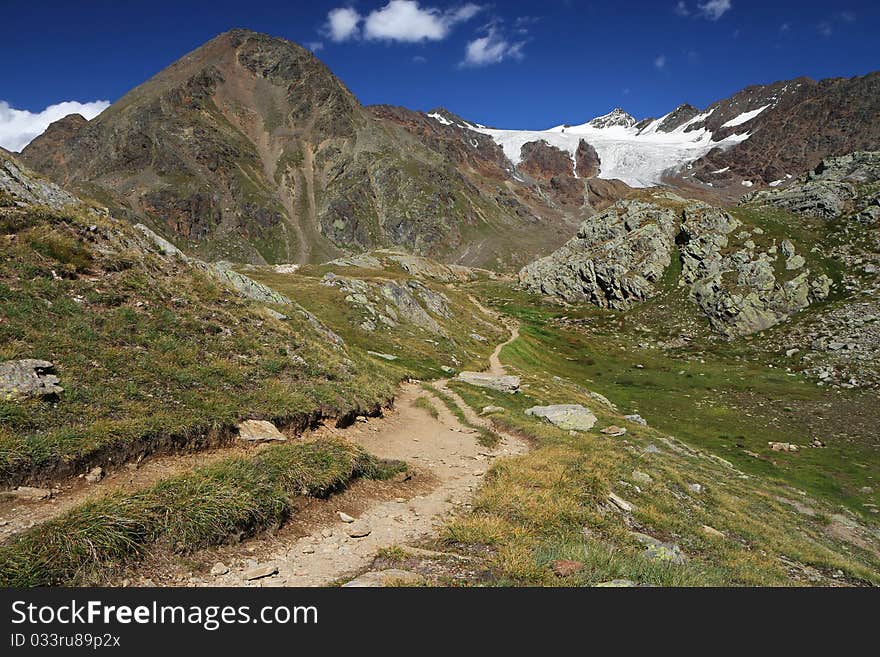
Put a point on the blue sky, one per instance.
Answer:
(513, 63)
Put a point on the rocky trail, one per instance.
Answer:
(325, 541)
(330, 540)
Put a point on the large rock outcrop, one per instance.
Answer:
(614, 261)
(832, 189)
(742, 281)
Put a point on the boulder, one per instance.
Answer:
(260, 572)
(657, 550)
(569, 417)
(614, 261)
(30, 493)
(28, 377)
(259, 431)
(501, 383)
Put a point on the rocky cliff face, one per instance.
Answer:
(803, 121)
(614, 261)
(742, 280)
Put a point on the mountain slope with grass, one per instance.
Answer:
(249, 149)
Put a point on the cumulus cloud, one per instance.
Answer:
(342, 23)
(715, 9)
(407, 21)
(400, 20)
(492, 48)
(19, 127)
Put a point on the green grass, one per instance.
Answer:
(486, 437)
(425, 404)
(149, 353)
(717, 395)
(551, 504)
(207, 506)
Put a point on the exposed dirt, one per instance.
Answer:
(19, 515)
(447, 464)
(315, 548)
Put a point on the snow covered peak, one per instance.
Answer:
(639, 156)
(614, 118)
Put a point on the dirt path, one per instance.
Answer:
(18, 515)
(315, 548)
(495, 366)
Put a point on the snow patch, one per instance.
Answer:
(745, 117)
(722, 170)
(747, 183)
(441, 118)
(640, 159)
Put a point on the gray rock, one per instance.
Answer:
(359, 529)
(620, 503)
(569, 417)
(260, 572)
(20, 379)
(219, 569)
(617, 584)
(28, 188)
(641, 477)
(95, 475)
(614, 261)
(638, 419)
(378, 354)
(31, 493)
(501, 383)
(659, 551)
(795, 262)
(259, 431)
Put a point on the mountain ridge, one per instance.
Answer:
(250, 149)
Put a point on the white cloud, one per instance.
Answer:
(715, 9)
(19, 127)
(660, 61)
(682, 9)
(492, 48)
(342, 24)
(315, 46)
(408, 21)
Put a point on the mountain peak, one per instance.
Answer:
(616, 117)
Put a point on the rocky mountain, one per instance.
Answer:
(762, 135)
(793, 126)
(746, 270)
(615, 118)
(249, 149)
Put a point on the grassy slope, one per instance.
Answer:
(149, 351)
(538, 507)
(233, 498)
(421, 354)
(712, 394)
